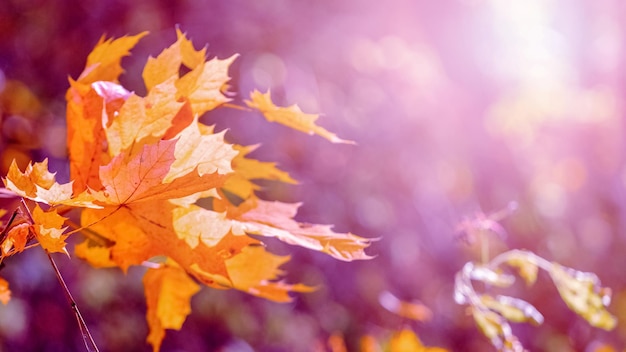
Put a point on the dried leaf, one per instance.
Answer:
(583, 294)
(497, 330)
(513, 309)
(526, 266)
(491, 276)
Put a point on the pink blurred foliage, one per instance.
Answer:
(457, 108)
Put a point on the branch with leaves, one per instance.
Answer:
(138, 166)
(581, 291)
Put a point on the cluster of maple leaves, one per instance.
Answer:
(138, 165)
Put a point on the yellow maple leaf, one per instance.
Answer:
(104, 61)
(204, 85)
(199, 148)
(97, 256)
(247, 169)
(191, 224)
(253, 279)
(168, 292)
(290, 116)
(131, 245)
(143, 120)
(168, 62)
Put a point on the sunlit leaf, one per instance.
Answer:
(290, 116)
(168, 293)
(525, 265)
(584, 295)
(49, 230)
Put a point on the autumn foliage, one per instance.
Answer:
(138, 167)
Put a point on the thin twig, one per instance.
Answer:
(5, 231)
(90, 345)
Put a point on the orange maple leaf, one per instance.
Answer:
(168, 292)
(16, 239)
(275, 219)
(48, 228)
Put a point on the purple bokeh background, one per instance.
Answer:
(457, 107)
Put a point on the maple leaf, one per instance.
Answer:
(275, 219)
(168, 292)
(203, 86)
(253, 278)
(290, 116)
(48, 228)
(246, 170)
(200, 148)
(38, 184)
(190, 224)
(143, 120)
(16, 239)
(88, 106)
(140, 177)
(104, 61)
(168, 62)
(96, 256)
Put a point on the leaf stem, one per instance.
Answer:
(530, 256)
(93, 223)
(484, 247)
(236, 107)
(89, 233)
(5, 231)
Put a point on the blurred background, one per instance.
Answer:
(457, 107)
